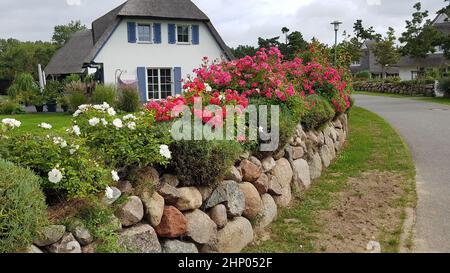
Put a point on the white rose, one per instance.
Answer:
(77, 113)
(10, 122)
(94, 121)
(109, 193)
(104, 122)
(76, 130)
(165, 152)
(44, 125)
(130, 116)
(132, 126)
(111, 112)
(115, 176)
(118, 123)
(55, 176)
(208, 88)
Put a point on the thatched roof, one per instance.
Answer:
(70, 58)
(432, 60)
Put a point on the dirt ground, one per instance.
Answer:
(363, 211)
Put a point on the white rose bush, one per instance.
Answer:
(96, 150)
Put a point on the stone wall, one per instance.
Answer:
(402, 88)
(222, 219)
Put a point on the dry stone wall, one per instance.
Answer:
(426, 90)
(220, 219)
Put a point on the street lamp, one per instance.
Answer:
(336, 25)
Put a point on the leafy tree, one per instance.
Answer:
(295, 44)
(244, 50)
(386, 52)
(23, 57)
(362, 33)
(445, 39)
(62, 33)
(420, 37)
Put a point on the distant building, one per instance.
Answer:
(410, 68)
(368, 62)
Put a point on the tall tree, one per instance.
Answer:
(285, 31)
(362, 33)
(386, 52)
(62, 33)
(420, 37)
(244, 50)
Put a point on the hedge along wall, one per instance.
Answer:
(410, 88)
(223, 218)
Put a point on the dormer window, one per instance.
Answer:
(144, 33)
(183, 34)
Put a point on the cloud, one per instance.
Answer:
(239, 22)
(73, 2)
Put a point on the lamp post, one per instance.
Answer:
(336, 25)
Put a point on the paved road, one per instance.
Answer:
(426, 129)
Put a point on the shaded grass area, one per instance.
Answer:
(445, 101)
(30, 122)
(373, 145)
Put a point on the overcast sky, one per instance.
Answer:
(238, 21)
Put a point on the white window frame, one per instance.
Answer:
(357, 63)
(150, 25)
(159, 81)
(189, 34)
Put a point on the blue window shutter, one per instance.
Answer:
(177, 80)
(195, 35)
(142, 83)
(172, 38)
(157, 33)
(131, 32)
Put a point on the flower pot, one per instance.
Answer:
(51, 107)
(39, 108)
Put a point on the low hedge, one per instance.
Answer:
(22, 207)
(319, 114)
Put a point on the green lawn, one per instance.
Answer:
(30, 122)
(373, 145)
(445, 101)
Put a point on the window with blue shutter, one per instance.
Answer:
(142, 83)
(195, 35)
(172, 38)
(157, 33)
(131, 32)
(177, 80)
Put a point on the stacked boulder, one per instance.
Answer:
(223, 218)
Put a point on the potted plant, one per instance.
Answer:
(52, 92)
(64, 102)
(38, 100)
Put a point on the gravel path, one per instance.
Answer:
(426, 129)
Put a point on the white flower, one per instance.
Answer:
(104, 122)
(222, 97)
(208, 88)
(105, 105)
(130, 116)
(131, 126)
(58, 140)
(115, 176)
(165, 152)
(109, 193)
(118, 123)
(10, 122)
(261, 129)
(94, 121)
(76, 130)
(63, 144)
(72, 151)
(44, 125)
(77, 113)
(84, 107)
(111, 111)
(55, 176)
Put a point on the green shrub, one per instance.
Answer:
(66, 165)
(363, 75)
(130, 141)
(72, 78)
(22, 207)
(24, 89)
(444, 86)
(203, 163)
(129, 100)
(53, 91)
(10, 107)
(104, 93)
(76, 95)
(320, 113)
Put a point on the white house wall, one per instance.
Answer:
(405, 72)
(118, 53)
